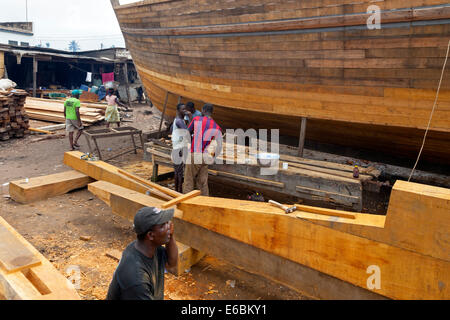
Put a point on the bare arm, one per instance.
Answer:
(77, 111)
(120, 104)
(172, 250)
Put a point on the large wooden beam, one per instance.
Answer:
(32, 277)
(100, 170)
(118, 199)
(308, 281)
(405, 274)
(41, 188)
(417, 219)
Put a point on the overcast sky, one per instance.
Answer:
(89, 22)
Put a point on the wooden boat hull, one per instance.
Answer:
(266, 65)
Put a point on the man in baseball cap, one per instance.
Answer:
(140, 273)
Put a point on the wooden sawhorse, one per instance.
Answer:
(111, 133)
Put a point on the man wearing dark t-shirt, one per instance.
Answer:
(140, 273)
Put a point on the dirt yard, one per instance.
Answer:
(54, 226)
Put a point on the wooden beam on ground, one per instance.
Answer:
(187, 257)
(13, 255)
(40, 131)
(54, 127)
(32, 277)
(163, 113)
(182, 198)
(41, 188)
(330, 251)
(100, 170)
(308, 281)
(118, 199)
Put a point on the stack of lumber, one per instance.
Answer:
(89, 97)
(13, 118)
(52, 110)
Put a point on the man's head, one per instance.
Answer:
(190, 107)
(152, 224)
(76, 94)
(181, 109)
(110, 91)
(207, 109)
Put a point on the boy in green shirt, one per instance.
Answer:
(73, 118)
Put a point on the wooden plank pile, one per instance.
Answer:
(53, 110)
(13, 118)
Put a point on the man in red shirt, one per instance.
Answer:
(204, 130)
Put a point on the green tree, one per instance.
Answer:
(74, 46)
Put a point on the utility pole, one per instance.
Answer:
(26, 9)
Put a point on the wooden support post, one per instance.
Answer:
(301, 144)
(92, 74)
(2, 64)
(35, 70)
(127, 85)
(163, 114)
(155, 170)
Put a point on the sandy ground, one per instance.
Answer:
(54, 226)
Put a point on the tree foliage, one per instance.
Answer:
(74, 46)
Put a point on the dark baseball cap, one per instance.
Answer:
(147, 217)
